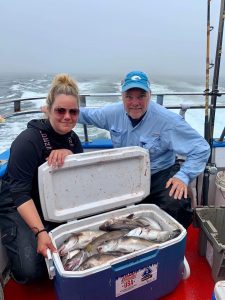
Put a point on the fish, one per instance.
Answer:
(97, 260)
(153, 235)
(78, 240)
(69, 255)
(147, 221)
(130, 222)
(125, 244)
(74, 263)
(91, 248)
(120, 223)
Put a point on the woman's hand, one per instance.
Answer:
(44, 242)
(57, 157)
(30, 215)
(178, 189)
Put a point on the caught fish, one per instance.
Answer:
(69, 255)
(97, 260)
(78, 241)
(120, 223)
(147, 221)
(130, 222)
(74, 263)
(124, 244)
(92, 247)
(153, 235)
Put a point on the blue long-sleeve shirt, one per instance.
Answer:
(163, 133)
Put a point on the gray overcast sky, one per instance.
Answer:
(106, 36)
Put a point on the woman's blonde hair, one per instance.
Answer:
(62, 84)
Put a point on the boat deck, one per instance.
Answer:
(199, 286)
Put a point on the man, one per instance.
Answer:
(141, 122)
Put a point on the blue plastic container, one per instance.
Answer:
(4, 156)
(102, 285)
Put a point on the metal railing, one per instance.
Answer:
(83, 97)
(83, 102)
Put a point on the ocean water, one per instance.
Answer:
(20, 86)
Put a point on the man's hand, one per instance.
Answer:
(44, 109)
(57, 157)
(178, 189)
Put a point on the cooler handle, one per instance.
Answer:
(50, 265)
(187, 271)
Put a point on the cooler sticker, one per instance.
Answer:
(134, 280)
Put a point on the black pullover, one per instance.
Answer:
(29, 150)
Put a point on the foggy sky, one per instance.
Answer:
(160, 37)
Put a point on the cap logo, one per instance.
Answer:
(135, 77)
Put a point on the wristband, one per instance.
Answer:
(39, 231)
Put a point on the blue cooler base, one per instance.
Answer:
(4, 156)
(161, 272)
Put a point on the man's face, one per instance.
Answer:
(136, 102)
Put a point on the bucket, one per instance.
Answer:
(220, 191)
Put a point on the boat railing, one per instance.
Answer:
(159, 98)
(83, 98)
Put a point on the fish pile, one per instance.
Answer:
(115, 237)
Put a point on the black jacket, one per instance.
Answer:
(29, 150)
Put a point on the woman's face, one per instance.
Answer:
(64, 113)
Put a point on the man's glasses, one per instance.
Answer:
(62, 111)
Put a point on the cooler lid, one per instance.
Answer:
(94, 182)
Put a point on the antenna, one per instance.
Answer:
(208, 66)
(209, 121)
(215, 91)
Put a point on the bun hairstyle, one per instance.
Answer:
(62, 84)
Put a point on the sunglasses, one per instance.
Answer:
(62, 111)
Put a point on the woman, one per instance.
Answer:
(23, 229)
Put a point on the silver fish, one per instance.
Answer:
(91, 248)
(153, 235)
(120, 223)
(147, 221)
(97, 260)
(74, 263)
(130, 222)
(69, 256)
(78, 240)
(124, 244)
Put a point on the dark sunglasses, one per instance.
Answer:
(62, 111)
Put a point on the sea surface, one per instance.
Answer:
(19, 86)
